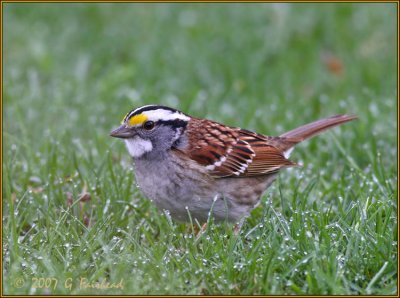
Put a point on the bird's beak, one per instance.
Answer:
(123, 132)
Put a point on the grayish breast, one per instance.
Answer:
(185, 187)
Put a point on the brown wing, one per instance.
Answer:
(234, 152)
(268, 157)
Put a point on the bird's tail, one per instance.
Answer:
(304, 132)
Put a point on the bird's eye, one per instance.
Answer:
(148, 125)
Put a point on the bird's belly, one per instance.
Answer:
(188, 197)
(184, 198)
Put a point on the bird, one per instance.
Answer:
(196, 168)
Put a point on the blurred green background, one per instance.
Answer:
(72, 71)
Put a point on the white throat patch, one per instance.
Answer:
(137, 146)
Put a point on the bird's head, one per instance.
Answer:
(151, 130)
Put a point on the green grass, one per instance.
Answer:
(71, 71)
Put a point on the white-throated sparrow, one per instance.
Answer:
(188, 165)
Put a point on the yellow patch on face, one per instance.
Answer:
(137, 120)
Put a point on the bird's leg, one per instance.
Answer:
(238, 226)
(200, 230)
